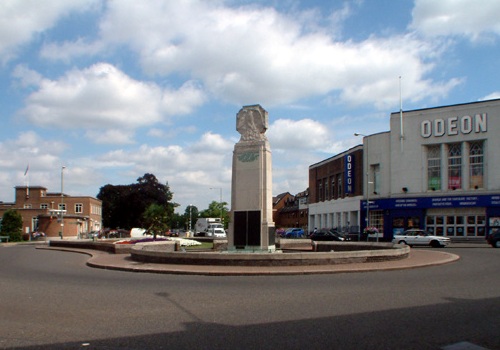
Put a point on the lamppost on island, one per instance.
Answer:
(62, 201)
(367, 220)
(190, 217)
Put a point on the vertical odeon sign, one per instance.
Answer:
(349, 174)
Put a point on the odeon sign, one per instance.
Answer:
(454, 126)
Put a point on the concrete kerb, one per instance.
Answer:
(328, 255)
(123, 262)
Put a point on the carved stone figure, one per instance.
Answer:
(252, 123)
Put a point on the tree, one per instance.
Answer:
(12, 225)
(124, 205)
(155, 219)
(217, 210)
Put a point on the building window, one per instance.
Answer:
(62, 206)
(457, 225)
(27, 206)
(339, 183)
(377, 220)
(44, 206)
(454, 166)
(78, 208)
(376, 178)
(333, 187)
(434, 168)
(320, 191)
(327, 194)
(476, 168)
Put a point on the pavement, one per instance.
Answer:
(418, 258)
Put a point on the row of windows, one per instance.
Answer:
(62, 206)
(456, 225)
(459, 157)
(330, 188)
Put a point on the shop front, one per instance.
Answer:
(452, 216)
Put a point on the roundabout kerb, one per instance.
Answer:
(291, 253)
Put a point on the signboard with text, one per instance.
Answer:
(349, 174)
(434, 202)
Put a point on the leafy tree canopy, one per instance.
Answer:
(155, 219)
(12, 225)
(124, 206)
(217, 210)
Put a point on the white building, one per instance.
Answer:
(437, 169)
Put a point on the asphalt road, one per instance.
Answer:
(52, 300)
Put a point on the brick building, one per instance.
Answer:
(55, 214)
(290, 210)
(336, 189)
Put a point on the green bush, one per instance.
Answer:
(12, 225)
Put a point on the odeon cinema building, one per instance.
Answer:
(437, 169)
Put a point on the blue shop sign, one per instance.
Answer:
(434, 202)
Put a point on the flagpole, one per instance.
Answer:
(27, 180)
(402, 135)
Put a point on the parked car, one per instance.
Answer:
(294, 233)
(494, 239)
(328, 235)
(420, 237)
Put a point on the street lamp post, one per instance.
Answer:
(190, 217)
(367, 220)
(62, 201)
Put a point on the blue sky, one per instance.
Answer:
(116, 89)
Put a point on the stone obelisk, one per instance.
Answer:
(252, 227)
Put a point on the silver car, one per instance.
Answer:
(420, 237)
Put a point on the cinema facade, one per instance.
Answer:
(437, 169)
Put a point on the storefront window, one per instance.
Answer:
(398, 225)
(451, 225)
(454, 166)
(377, 220)
(434, 168)
(471, 230)
(414, 222)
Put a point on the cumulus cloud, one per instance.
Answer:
(244, 54)
(102, 96)
(306, 134)
(20, 21)
(457, 17)
(42, 155)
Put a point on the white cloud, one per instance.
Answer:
(20, 21)
(492, 96)
(110, 136)
(43, 156)
(305, 134)
(102, 96)
(247, 54)
(467, 18)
